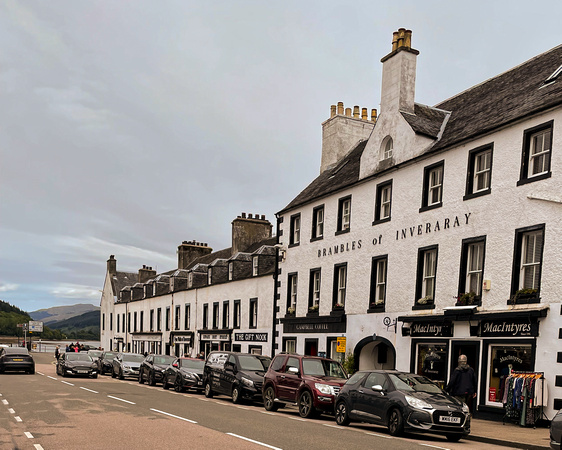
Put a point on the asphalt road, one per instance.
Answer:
(46, 411)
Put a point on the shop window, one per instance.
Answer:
(528, 254)
(503, 359)
(253, 313)
(479, 172)
(255, 349)
(333, 350)
(383, 202)
(292, 293)
(344, 215)
(236, 314)
(432, 195)
(295, 236)
(225, 315)
(536, 155)
(314, 291)
(432, 362)
(378, 283)
(187, 318)
(290, 345)
(471, 271)
(425, 283)
(340, 286)
(205, 316)
(318, 223)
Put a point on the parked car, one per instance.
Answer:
(153, 367)
(105, 362)
(16, 358)
(239, 375)
(309, 381)
(402, 401)
(126, 365)
(72, 363)
(556, 431)
(184, 373)
(95, 354)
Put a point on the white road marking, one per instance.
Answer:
(241, 407)
(172, 415)
(52, 378)
(66, 382)
(378, 435)
(38, 447)
(268, 413)
(355, 429)
(121, 400)
(18, 419)
(5, 402)
(89, 390)
(28, 434)
(41, 373)
(255, 442)
(435, 446)
(11, 411)
(298, 418)
(204, 399)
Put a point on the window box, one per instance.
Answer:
(291, 311)
(467, 299)
(313, 309)
(523, 296)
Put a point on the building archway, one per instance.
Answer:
(374, 352)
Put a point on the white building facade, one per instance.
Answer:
(434, 231)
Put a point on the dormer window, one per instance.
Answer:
(386, 148)
(255, 266)
(230, 271)
(209, 275)
(190, 279)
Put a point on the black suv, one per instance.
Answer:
(153, 367)
(239, 375)
(310, 381)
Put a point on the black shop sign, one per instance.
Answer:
(251, 337)
(424, 329)
(509, 328)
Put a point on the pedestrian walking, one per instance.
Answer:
(57, 352)
(462, 384)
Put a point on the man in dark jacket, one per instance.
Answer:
(462, 384)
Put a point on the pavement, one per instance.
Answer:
(509, 435)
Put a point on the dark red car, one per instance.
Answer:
(309, 381)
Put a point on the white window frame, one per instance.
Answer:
(209, 275)
(230, 270)
(346, 214)
(542, 155)
(255, 266)
(319, 219)
(387, 148)
(291, 345)
(482, 172)
(296, 229)
(342, 285)
(428, 273)
(386, 197)
(435, 186)
(316, 288)
(293, 285)
(474, 267)
(380, 286)
(531, 262)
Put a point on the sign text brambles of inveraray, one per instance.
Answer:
(403, 233)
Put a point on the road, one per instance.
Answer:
(46, 411)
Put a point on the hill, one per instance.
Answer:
(10, 316)
(59, 313)
(84, 326)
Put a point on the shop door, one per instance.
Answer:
(311, 347)
(472, 351)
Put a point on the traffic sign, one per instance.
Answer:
(341, 345)
(35, 325)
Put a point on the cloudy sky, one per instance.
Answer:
(127, 127)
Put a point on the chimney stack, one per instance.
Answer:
(112, 265)
(146, 273)
(399, 74)
(190, 251)
(249, 231)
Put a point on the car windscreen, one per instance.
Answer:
(94, 353)
(78, 357)
(192, 363)
(249, 362)
(133, 358)
(108, 355)
(163, 359)
(322, 368)
(16, 351)
(414, 383)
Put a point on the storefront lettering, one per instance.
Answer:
(428, 227)
(311, 327)
(340, 248)
(511, 358)
(514, 329)
(427, 330)
(253, 337)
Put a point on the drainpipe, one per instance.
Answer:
(275, 292)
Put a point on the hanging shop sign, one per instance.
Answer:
(509, 328)
(250, 337)
(443, 329)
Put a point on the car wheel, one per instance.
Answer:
(342, 415)
(113, 374)
(236, 395)
(150, 380)
(177, 384)
(141, 381)
(269, 402)
(306, 406)
(208, 390)
(453, 437)
(121, 377)
(95, 376)
(395, 422)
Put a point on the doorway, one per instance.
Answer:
(311, 347)
(472, 351)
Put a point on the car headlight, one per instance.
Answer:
(417, 403)
(188, 375)
(247, 382)
(465, 408)
(126, 366)
(324, 388)
(158, 369)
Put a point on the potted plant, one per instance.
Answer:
(313, 309)
(468, 298)
(338, 307)
(425, 300)
(524, 294)
(291, 310)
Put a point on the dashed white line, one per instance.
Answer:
(18, 419)
(38, 447)
(435, 446)
(41, 373)
(378, 435)
(241, 407)
(28, 434)
(204, 399)
(268, 413)
(66, 382)
(89, 390)
(5, 402)
(298, 418)
(172, 415)
(52, 378)
(121, 400)
(11, 411)
(255, 442)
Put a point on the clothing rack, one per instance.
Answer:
(520, 398)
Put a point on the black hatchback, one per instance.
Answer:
(16, 358)
(402, 402)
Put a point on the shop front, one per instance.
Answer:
(497, 344)
(147, 343)
(254, 341)
(210, 341)
(182, 342)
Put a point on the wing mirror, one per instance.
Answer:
(176, 365)
(378, 388)
(294, 370)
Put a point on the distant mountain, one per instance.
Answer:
(85, 326)
(58, 313)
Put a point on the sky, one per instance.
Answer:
(127, 127)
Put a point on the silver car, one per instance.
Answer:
(556, 431)
(126, 365)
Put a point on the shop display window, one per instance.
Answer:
(504, 359)
(432, 362)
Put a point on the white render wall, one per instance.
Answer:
(497, 216)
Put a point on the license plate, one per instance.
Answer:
(18, 359)
(449, 419)
(82, 371)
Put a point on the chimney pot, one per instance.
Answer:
(356, 112)
(250, 216)
(364, 115)
(408, 39)
(373, 115)
(243, 215)
(395, 40)
(263, 217)
(348, 112)
(332, 110)
(340, 108)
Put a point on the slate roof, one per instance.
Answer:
(499, 101)
(123, 279)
